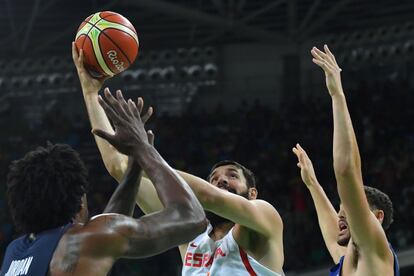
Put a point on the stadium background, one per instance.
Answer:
(228, 79)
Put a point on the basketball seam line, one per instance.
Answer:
(87, 34)
(100, 33)
(110, 28)
(93, 25)
(96, 58)
(120, 49)
(120, 23)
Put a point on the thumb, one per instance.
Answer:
(151, 137)
(104, 135)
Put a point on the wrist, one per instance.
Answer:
(143, 152)
(312, 184)
(148, 158)
(90, 92)
(337, 94)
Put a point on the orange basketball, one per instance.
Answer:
(109, 42)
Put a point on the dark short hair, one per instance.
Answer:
(45, 188)
(378, 200)
(248, 174)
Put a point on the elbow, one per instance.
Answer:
(345, 169)
(199, 226)
(195, 221)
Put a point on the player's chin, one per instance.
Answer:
(343, 238)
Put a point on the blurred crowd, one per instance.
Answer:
(261, 138)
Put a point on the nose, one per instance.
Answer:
(222, 183)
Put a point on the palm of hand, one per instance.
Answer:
(128, 135)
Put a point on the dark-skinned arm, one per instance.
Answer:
(123, 199)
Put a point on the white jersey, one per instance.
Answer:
(207, 257)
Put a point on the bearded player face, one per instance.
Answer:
(231, 179)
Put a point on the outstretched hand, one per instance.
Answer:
(130, 134)
(89, 84)
(307, 171)
(326, 60)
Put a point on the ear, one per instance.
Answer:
(252, 193)
(380, 215)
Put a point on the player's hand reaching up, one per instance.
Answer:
(306, 167)
(89, 84)
(130, 134)
(326, 60)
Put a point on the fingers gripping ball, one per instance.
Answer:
(109, 42)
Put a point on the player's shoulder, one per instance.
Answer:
(267, 209)
(263, 204)
(100, 230)
(16, 242)
(106, 216)
(99, 223)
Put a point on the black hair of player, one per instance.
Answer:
(248, 174)
(45, 188)
(378, 200)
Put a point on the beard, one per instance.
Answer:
(343, 241)
(215, 219)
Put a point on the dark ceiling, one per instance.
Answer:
(42, 27)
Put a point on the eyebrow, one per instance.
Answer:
(229, 169)
(233, 170)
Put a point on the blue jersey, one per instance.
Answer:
(27, 256)
(337, 269)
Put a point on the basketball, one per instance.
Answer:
(109, 43)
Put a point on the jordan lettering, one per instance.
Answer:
(19, 267)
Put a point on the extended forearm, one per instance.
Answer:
(123, 199)
(114, 162)
(345, 148)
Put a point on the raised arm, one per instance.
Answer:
(183, 217)
(115, 162)
(366, 231)
(327, 216)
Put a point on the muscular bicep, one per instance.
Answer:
(118, 236)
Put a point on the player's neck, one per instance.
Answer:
(220, 230)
